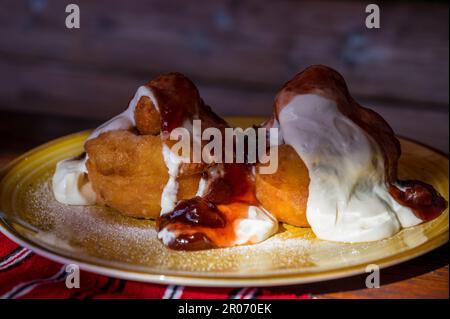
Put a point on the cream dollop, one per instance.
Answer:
(348, 198)
(256, 227)
(70, 183)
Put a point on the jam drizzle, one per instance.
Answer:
(208, 222)
(201, 222)
(179, 100)
(425, 202)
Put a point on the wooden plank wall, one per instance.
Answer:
(238, 53)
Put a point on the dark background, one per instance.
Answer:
(55, 81)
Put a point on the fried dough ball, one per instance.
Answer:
(148, 120)
(285, 192)
(128, 173)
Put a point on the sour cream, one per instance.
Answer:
(70, 183)
(170, 190)
(348, 198)
(125, 120)
(256, 227)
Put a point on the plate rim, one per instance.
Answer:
(212, 281)
(218, 281)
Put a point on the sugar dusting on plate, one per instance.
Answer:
(102, 232)
(101, 235)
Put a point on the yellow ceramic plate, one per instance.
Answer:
(100, 240)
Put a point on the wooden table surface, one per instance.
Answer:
(423, 277)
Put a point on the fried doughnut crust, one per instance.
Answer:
(285, 192)
(148, 120)
(128, 173)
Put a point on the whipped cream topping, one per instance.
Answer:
(348, 197)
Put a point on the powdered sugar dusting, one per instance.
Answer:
(102, 233)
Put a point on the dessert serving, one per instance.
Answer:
(336, 168)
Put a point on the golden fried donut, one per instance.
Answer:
(128, 173)
(148, 120)
(285, 192)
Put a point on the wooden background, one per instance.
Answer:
(239, 53)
